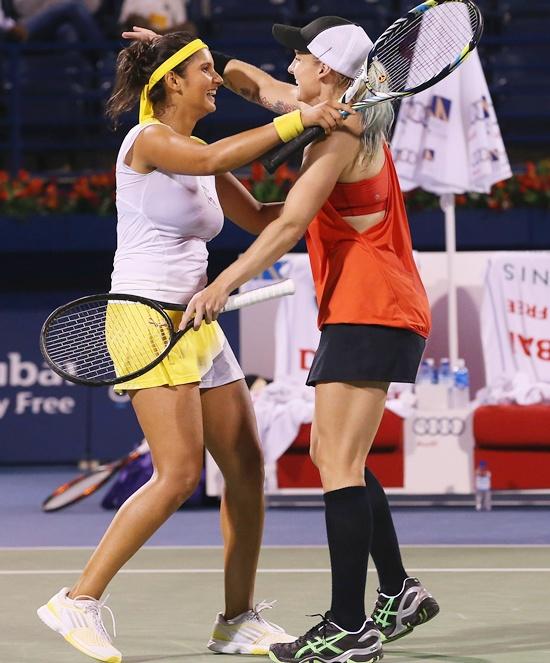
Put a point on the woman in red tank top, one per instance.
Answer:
(374, 318)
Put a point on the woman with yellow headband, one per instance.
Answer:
(169, 205)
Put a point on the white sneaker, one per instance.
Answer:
(249, 633)
(79, 622)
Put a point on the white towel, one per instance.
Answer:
(281, 408)
(519, 389)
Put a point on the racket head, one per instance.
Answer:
(78, 488)
(85, 484)
(106, 339)
(417, 51)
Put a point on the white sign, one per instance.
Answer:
(439, 450)
(296, 332)
(515, 317)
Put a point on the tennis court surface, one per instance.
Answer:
(494, 601)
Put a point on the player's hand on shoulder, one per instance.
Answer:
(354, 125)
(139, 34)
(326, 115)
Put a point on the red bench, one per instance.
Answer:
(514, 440)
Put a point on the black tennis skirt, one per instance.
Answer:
(355, 353)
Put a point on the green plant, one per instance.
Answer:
(26, 194)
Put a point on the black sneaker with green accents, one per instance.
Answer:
(397, 616)
(328, 643)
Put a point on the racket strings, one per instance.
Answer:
(136, 334)
(426, 45)
(73, 341)
(105, 339)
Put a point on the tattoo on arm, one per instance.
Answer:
(277, 106)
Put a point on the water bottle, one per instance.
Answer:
(426, 371)
(446, 380)
(433, 369)
(444, 373)
(461, 386)
(483, 487)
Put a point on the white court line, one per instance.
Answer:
(406, 546)
(37, 572)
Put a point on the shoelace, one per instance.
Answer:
(320, 628)
(257, 609)
(94, 608)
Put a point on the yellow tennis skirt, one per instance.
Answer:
(202, 356)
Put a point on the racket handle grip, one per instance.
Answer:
(243, 299)
(272, 162)
(275, 159)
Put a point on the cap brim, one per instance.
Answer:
(289, 36)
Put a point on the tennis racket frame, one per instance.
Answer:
(277, 157)
(234, 302)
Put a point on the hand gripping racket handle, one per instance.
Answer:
(271, 163)
(243, 299)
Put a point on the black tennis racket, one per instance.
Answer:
(88, 483)
(414, 53)
(111, 338)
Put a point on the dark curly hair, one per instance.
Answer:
(135, 65)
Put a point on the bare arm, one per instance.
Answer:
(242, 208)
(257, 86)
(320, 173)
(321, 170)
(159, 146)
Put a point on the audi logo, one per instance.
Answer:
(438, 426)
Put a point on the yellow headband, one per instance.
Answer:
(145, 105)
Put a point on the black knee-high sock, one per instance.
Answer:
(385, 546)
(349, 531)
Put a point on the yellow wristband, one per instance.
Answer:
(289, 126)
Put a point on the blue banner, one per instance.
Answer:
(43, 418)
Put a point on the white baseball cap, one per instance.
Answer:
(338, 43)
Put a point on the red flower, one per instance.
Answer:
(51, 199)
(35, 186)
(102, 180)
(257, 172)
(530, 169)
(284, 174)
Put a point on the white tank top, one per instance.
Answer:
(164, 222)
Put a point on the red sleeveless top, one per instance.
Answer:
(369, 277)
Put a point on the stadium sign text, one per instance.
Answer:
(17, 372)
